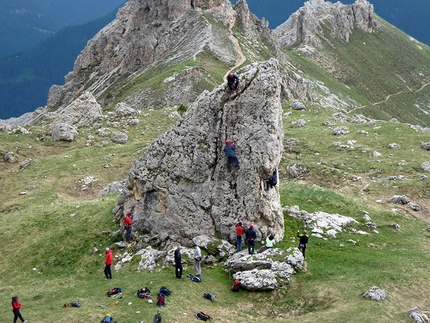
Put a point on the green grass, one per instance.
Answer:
(50, 233)
(385, 71)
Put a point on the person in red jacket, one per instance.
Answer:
(240, 231)
(16, 305)
(108, 262)
(127, 223)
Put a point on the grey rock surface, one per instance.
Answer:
(182, 188)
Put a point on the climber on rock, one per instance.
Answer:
(272, 180)
(233, 82)
(229, 149)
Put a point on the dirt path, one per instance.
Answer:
(392, 94)
(242, 57)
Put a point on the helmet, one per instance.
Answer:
(231, 74)
(108, 315)
(227, 141)
(251, 225)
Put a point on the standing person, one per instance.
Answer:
(108, 262)
(229, 149)
(272, 180)
(197, 259)
(127, 223)
(240, 231)
(251, 235)
(16, 305)
(233, 81)
(303, 241)
(178, 262)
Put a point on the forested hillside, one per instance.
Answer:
(24, 23)
(25, 79)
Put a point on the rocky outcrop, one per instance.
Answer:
(81, 112)
(311, 20)
(149, 35)
(182, 187)
(261, 271)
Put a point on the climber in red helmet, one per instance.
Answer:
(233, 82)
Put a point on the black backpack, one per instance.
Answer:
(76, 304)
(165, 291)
(157, 318)
(195, 279)
(208, 295)
(203, 316)
(144, 293)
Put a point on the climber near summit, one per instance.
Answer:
(233, 82)
(229, 149)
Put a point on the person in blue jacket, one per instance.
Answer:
(229, 150)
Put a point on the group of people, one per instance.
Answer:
(197, 256)
(251, 236)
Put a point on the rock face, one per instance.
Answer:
(182, 187)
(309, 21)
(144, 33)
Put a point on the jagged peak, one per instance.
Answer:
(306, 23)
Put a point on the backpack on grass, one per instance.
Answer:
(144, 293)
(114, 291)
(76, 304)
(165, 291)
(236, 286)
(208, 295)
(157, 318)
(195, 279)
(160, 300)
(107, 319)
(203, 316)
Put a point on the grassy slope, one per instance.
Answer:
(49, 234)
(386, 72)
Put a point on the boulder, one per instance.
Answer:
(10, 158)
(64, 132)
(119, 137)
(182, 187)
(375, 293)
(81, 112)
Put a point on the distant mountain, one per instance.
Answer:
(333, 55)
(24, 23)
(25, 79)
(409, 16)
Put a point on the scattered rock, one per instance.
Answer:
(339, 131)
(10, 158)
(375, 294)
(25, 163)
(119, 137)
(297, 105)
(399, 199)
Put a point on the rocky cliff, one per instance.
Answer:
(148, 38)
(182, 187)
(318, 15)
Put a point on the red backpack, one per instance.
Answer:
(236, 286)
(160, 299)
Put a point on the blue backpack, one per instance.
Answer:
(107, 319)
